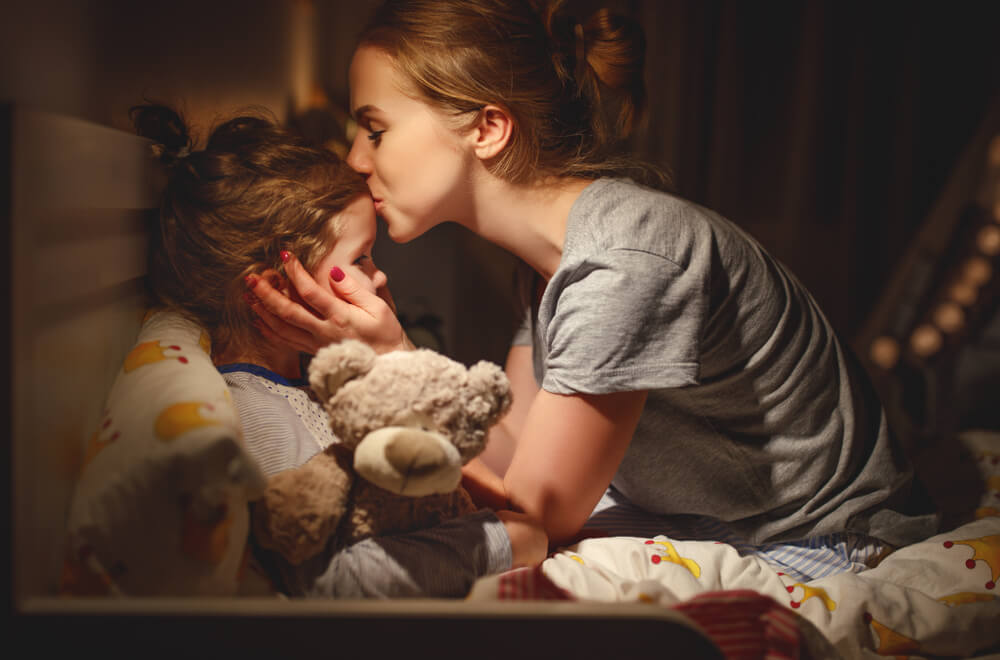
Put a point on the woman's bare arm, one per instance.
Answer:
(567, 454)
(523, 388)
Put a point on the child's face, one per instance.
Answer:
(416, 164)
(352, 252)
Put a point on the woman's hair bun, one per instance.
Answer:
(165, 127)
(608, 48)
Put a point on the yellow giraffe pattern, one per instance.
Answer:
(673, 557)
(181, 417)
(985, 549)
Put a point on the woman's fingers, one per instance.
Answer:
(286, 319)
(276, 330)
(347, 310)
(280, 305)
(326, 306)
(350, 290)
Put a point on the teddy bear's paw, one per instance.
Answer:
(296, 543)
(409, 461)
(301, 508)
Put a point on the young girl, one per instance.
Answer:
(230, 212)
(666, 354)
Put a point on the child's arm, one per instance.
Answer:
(441, 561)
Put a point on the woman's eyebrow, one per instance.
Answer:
(360, 114)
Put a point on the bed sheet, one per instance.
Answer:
(938, 597)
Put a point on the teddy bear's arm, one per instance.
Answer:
(302, 507)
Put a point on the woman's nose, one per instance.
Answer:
(356, 158)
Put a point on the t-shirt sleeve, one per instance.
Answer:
(439, 562)
(624, 320)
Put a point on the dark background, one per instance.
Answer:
(828, 130)
(848, 137)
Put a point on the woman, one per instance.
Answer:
(666, 354)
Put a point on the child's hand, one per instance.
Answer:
(350, 312)
(528, 542)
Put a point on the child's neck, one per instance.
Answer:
(282, 361)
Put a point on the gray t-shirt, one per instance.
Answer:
(756, 414)
(283, 427)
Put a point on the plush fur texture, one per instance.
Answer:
(364, 393)
(325, 500)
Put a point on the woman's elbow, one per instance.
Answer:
(561, 516)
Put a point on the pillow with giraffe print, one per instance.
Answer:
(160, 505)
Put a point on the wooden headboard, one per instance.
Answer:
(80, 196)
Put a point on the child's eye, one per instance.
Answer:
(376, 136)
(360, 260)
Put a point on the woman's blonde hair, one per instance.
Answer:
(229, 210)
(575, 90)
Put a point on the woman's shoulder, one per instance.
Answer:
(608, 190)
(622, 214)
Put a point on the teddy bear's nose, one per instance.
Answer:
(415, 454)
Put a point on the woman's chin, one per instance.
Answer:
(403, 233)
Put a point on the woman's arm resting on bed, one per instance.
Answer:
(567, 454)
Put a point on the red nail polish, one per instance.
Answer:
(336, 274)
(285, 255)
(250, 281)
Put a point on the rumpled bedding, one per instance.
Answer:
(938, 597)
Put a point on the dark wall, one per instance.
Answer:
(826, 129)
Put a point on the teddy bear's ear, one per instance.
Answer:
(336, 364)
(492, 387)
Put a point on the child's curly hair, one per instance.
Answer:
(229, 210)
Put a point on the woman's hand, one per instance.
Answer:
(322, 317)
(529, 544)
(485, 487)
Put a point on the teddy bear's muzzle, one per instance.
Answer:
(409, 461)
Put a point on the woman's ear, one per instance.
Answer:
(492, 131)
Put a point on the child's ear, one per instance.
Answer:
(492, 131)
(278, 282)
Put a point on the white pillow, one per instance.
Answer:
(160, 507)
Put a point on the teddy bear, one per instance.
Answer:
(407, 421)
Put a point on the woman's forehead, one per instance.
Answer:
(373, 81)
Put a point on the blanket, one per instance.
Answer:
(938, 597)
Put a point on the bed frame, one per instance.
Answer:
(76, 198)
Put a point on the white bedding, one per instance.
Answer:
(936, 597)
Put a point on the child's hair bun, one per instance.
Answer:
(165, 127)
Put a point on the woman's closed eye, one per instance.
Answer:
(376, 136)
